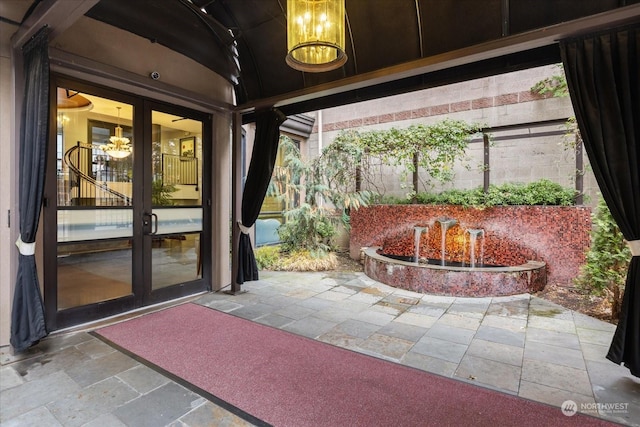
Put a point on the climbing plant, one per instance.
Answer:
(329, 186)
(429, 148)
(554, 85)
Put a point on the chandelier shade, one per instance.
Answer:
(315, 35)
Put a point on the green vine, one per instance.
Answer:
(432, 149)
(555, 85)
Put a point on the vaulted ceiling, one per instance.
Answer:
(393, 46)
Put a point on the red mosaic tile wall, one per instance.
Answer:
(556, 235)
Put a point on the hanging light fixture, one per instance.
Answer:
(118, 146)
(315, 35)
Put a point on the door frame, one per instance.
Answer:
(149, 295)
(141, 295)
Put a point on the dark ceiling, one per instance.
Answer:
(393, 46)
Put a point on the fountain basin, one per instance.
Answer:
(455, 280)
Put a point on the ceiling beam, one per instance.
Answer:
(505, 46)
(58, 15)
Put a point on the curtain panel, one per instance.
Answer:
(603, 76)
(263, 159)
(27, 313)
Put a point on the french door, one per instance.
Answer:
(127, 204)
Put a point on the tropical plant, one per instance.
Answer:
(161, 193)
(322, 186)
(285, 181)
(334, 177)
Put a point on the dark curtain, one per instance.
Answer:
(27, 315)
(263, 159)
(603, 75)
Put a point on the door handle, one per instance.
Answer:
(147, 220)
(154, 218)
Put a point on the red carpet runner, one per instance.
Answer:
(287, 380)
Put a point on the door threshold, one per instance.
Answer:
(117, 318)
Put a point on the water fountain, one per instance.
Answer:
(445, 224)
(444, 270)
(473, 237)
(417, 233)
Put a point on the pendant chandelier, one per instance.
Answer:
(315, 35)
(119, 146)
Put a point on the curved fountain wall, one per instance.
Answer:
(515, 235)
(455, 281)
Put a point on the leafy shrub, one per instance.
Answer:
(608, 259)
(272, 258)
(542, 192)
(308, 228)
(267, 257)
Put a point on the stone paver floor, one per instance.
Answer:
(521, 345)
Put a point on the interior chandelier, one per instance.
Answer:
(119, 146)
(315, 35)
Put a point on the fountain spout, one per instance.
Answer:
(417, 233)
(473, 237)
(445, 224)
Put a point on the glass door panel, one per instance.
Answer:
(176, 199)
(94, 199)
(125, 218)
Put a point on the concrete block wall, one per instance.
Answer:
(494, 101)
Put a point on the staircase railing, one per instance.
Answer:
(89, 190)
